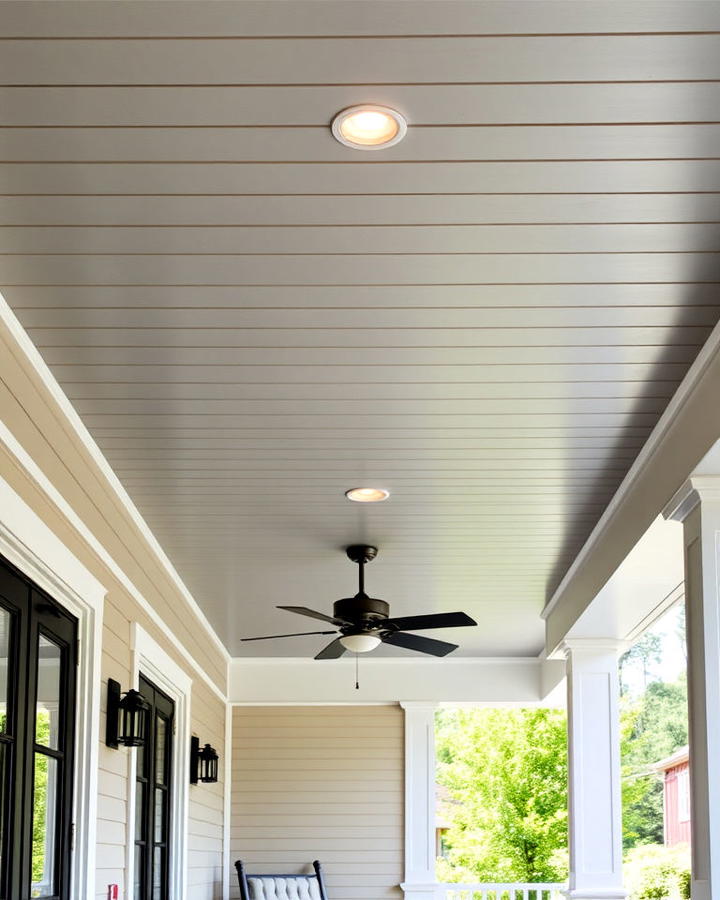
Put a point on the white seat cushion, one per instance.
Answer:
(279, 888)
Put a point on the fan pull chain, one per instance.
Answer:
(357, 669)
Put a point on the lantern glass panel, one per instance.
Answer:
(208, 764)
(133, 718)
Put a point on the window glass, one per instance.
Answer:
(45, 812)
(4, 771)
(158, 874)
(160, 749)
(5, 626)
(139, 863)
(47, 721)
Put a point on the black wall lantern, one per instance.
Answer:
(203, 763)
(126, 717)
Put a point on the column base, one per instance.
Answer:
(419, 891)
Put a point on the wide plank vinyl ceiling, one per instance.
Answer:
(486, 319)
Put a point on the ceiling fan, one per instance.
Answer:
(363, 623)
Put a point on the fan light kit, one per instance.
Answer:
(360, 643)
(367, 494)
(362, 623)
(369, 127)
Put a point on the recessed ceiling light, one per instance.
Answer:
(367, 494)
(369, 127)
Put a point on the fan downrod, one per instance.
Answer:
(361, 553)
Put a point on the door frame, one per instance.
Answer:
(158, 666)
(36, 551)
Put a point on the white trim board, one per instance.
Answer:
(38, 477)
(27, 542)
(289, 681)
(149, 658)
(228, 870)
(31, 353)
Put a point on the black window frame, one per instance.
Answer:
(34, 613)
(161, 706)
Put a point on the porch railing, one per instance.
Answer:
(491, 891)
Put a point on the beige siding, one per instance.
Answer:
(320, 783)
(206, 804)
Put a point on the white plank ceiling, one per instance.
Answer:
(487, 319)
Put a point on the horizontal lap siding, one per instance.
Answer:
(206, 803)
(320, 783)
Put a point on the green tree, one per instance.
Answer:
(653, 726)
(506, 773)
(648, 651)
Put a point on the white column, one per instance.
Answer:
(419, 881)
(697, 506)
(595, 809)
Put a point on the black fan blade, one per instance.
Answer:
(334, 650)
(434, 620)
(271, 637)
(419, 643)
(304, 611)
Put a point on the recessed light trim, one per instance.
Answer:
(369, 127)
(367, 494)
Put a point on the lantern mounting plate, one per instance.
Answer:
(194, 759)
(111, 718)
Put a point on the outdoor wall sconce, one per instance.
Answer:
(126, 717)
(203, 763)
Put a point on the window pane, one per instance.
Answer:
(139, 810)
(138, 877)
(4, 777)
(5, 626)
(160, 749)
(160, 835)
(140, 758)
(45, 815)
(47, 720)
(158, 873)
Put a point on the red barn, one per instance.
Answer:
(676, 799)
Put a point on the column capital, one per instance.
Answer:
(409, 705)
(593, 645)
(696, 489)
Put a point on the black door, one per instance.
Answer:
(153, 791)
(38, 656)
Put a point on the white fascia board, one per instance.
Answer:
(289, 681)
(686, 431)
(646, 584)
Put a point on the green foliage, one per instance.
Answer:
(658, 873)
(653, 726)
(40, 798)
(506, 773)
(648, 652)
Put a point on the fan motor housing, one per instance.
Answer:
(361, 608)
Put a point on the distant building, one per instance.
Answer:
(675, 770)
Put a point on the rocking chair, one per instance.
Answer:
(281, 887)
